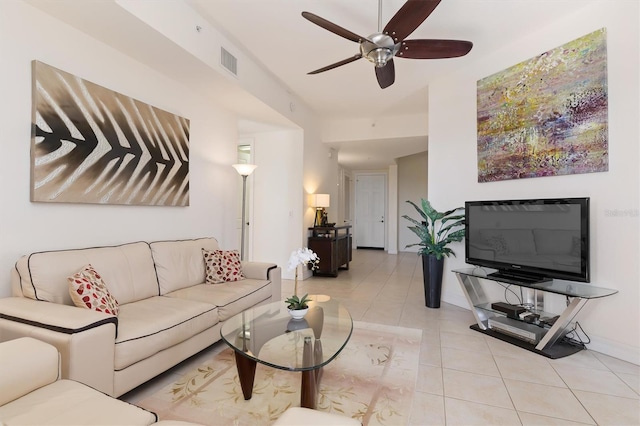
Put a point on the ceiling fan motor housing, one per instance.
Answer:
(380, 51)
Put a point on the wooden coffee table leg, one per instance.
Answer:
(308, 390)
(317, 355)
(246, 373)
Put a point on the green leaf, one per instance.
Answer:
(437, 229)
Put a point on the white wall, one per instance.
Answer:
(412, 185)
(321, 176)
(277, 196)
(392, 209)
(612, 322)
(385, 127)
(26, 34)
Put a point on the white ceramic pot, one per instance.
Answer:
(298, 313)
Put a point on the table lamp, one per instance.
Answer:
(320, 202)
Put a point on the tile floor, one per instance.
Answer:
(467, 378)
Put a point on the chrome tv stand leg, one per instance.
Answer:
(475, 295)
(557, 331)
(550, 345)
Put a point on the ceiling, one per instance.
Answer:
(277, 37)
(275, 34)
(289, 46)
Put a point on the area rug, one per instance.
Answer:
(372, 380)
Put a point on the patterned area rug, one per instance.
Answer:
(372, 380)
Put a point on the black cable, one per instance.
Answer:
(573, 337)
(508, 288)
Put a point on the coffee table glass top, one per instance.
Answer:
(268, 334)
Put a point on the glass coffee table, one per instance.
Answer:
(268, 335)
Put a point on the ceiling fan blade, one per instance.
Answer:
(330, 26)
(433, 49)
(337, 64)
(386, 75)
(409, 17)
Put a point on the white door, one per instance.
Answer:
(370, 210)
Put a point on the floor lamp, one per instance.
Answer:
(244, 170)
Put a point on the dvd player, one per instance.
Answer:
(518, 329)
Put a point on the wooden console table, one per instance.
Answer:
(332, 244)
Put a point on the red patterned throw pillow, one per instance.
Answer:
(88, 290)
(222, 266)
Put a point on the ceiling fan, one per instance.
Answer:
(380, 48)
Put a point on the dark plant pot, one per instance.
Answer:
(432, 271)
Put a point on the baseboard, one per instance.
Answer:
(615, 349)
(457, 300)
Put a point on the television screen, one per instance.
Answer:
(533, 239)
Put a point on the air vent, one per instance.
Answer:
(229, 61)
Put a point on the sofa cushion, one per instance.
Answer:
(67, 402)
(179, 264)
(148, 326)
(222, 266)
(127, 271)
(230, 298)
(26, 365)
(88, 290)
(295, 416)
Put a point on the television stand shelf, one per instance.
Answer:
(551, 343)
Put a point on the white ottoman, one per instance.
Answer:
(295, 416)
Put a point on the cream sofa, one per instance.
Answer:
(32, 394)
(167, 312)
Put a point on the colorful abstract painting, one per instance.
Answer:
(546, 116)
(93, 145)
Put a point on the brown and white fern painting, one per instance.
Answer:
(90, 144)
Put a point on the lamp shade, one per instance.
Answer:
(321, 200)
(244, 169)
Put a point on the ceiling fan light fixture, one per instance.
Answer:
(379, 50)
(380, 56)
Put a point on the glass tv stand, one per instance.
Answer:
(544, 335)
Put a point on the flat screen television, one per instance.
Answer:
(529, 240)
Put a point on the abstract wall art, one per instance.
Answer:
(546, 116)
(90, 144)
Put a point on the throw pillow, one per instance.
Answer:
(88, 290)
(222, 266)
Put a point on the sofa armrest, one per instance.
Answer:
(85, 339)
(26, 365)
(257, 270)
(53, 316)
(265, 271)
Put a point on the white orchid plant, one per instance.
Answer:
(302, 256)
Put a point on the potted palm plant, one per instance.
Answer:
(436, 231)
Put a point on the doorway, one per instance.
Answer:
(371, 197)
